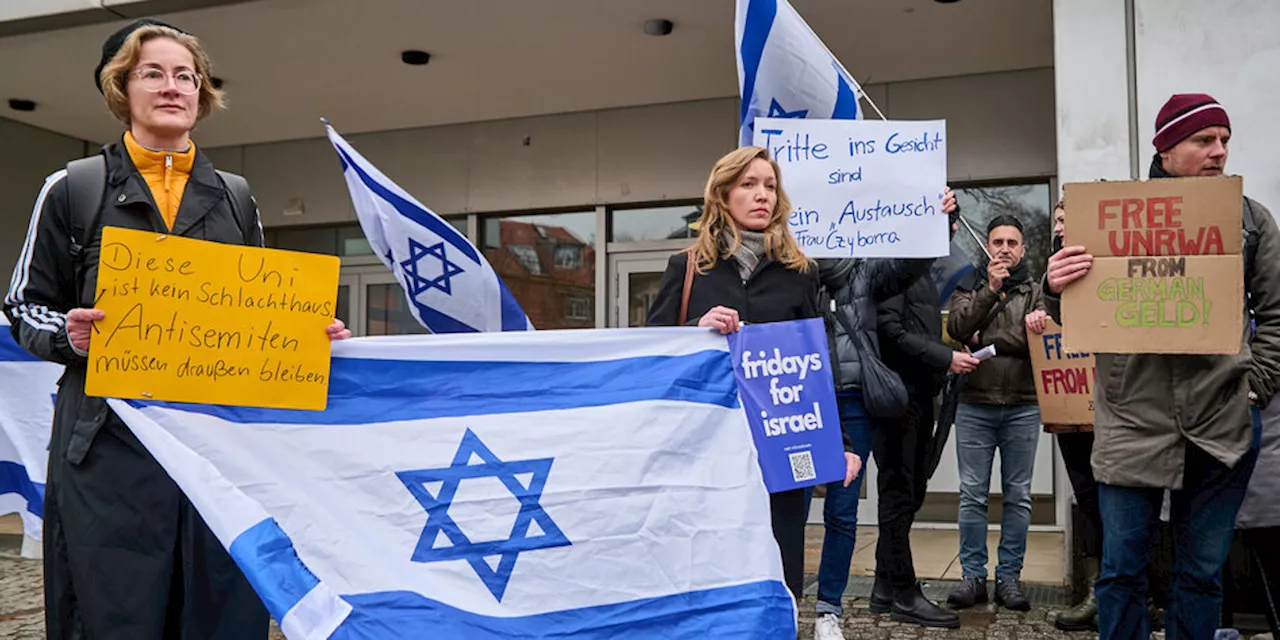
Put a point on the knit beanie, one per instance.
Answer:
(116, 40)
(1185, 114)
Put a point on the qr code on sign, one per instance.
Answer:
(802, 466)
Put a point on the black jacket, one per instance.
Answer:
(910, 327)
(858, 286)
(44, 284)
(773, 293)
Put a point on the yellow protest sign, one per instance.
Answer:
(203, 322)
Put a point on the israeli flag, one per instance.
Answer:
(27, 388)
(450, 286)
(556, 484)
(784, 70)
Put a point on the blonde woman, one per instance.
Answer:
(748, 268)
(125, 553)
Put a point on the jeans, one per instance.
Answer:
(980, 430)
(1077, 449)
(902, 451)
(1202, 517)
(840, 511)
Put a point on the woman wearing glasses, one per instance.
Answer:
(126, 555)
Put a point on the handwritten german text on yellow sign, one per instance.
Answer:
(203, 322)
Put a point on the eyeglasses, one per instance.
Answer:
(155, 80)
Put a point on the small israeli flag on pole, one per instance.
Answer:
(784, 70)
(450, 286)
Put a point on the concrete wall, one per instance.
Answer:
(1118, 62)
(1001, 126)
(27, 156)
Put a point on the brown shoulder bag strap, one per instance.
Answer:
(688, 287)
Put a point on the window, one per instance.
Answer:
(659, 223)
(568, 256)
(578, 309)
(548, 262)
(1029, 203)
(335, 240)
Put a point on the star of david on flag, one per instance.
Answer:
(531, 518)
(412, 268)
(448, 283)
(784, 70)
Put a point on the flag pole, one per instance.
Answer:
(981, 243)
(871, 102)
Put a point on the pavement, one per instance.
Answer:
(22, 612)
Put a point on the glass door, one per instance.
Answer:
(635, 285)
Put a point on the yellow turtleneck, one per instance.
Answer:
(165, 172)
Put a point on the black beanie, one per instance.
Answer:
(116, 40)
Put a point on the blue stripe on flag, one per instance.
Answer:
(513, 318)
(412, 211)
(439, 322)
(267, 557)
(9, 349)
(756, 610)
(755, 32)
(364, 391)
(761, 610)
(14, 479)
(846, 99)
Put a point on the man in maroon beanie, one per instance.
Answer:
(1186, 423)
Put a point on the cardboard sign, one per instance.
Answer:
(1064, 379)
(862, 188)
(1181, 304)
(1167, 274)
(784, 380)
(1167, 217)
(204, 322)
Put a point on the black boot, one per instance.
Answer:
(911, 606)
(881, 595)
(969, 592)
(1009, 595)
(1084, 616)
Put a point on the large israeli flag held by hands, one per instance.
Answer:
(27, 388)
(517, 485)
(784, 70)
(449, 285)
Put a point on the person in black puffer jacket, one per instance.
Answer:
(857, 286)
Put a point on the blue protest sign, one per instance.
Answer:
(784, 380)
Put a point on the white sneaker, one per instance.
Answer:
(827, 628)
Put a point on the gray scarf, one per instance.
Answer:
(749, 251)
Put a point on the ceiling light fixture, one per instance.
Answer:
(415, 57)
(658, 27)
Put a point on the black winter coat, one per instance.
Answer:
(773, 293)
(858, 286)
(910, 327)
(45, 285)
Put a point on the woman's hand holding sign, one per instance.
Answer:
(722, 319)
(80, 327)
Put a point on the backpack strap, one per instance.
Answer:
(242, 204)
(86, 185)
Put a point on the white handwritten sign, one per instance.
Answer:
(862, 188)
